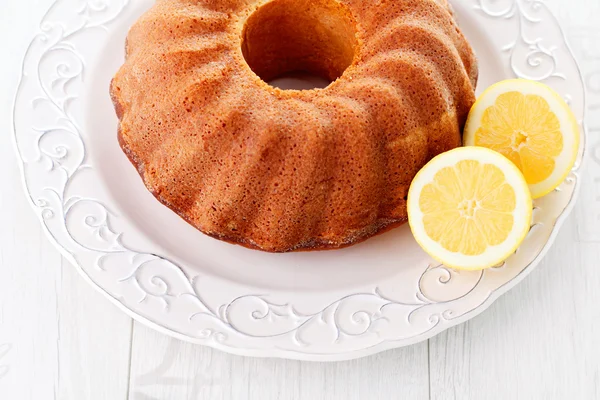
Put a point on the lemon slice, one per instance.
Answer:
(532, 126)
(470, 208)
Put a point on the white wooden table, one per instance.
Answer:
(59, 339)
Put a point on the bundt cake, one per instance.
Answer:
(284, 170)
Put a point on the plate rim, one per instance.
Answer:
(347, 355)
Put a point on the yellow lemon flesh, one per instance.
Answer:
(532, 126)
(470, 208)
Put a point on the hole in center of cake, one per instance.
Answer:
(295, 44)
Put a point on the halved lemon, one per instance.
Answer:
(530, 124)
(470, 208)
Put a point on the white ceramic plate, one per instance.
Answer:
(334, 305)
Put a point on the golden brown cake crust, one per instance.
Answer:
(279, 170)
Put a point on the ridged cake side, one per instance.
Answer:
(287, 170)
